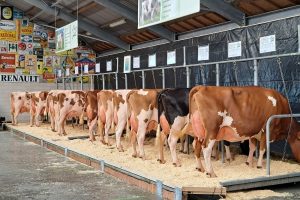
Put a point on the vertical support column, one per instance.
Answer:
(81, 81)
(126, 83)
(178, 193)
(163, 78)
(255, 75)
(116, 76)
(143, 79)
(63, 82)
(184, 56)
(92, 83)
(72, 83)
(159, 188)
(218, 84)
(103, 81)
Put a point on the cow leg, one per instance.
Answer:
(16, 116)
(252, 147)
(173, 139)
(140, 140)
(60, 124)
(106, 131)
(207, 158)
(12, 118)
(162, 138)
(52, 119)
(32, 118)
(133, 142)
(262, 149)
(197, 152)
(38, 112)
(92, 126)
(184, 144)
(119, 129)
(227, 151)
(100, 129)
(215, 151)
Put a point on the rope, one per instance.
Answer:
(286, 94)
(153, 79)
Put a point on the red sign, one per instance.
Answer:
(7, 61)
(48, 76)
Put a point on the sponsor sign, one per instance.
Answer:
(7, 60)
(12, 47)
(3, 46)
(8, 30)
(18, 14)
(67, 37)
(19, 78)
(25, 48)
(20, 60)
(26, 38)
(152, 12)
(7, 12)
(27, 30)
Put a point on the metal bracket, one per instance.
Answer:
(159, 188)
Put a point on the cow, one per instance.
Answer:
(143, 116)
(71, 104)
(173, 115)
(239, 113)
(19, 103)
(37, 106)
(91, 110)
(52, 108)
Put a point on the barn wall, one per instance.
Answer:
(230, 75)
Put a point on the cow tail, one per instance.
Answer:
(46, 106)
(128, 131)
(81, 119)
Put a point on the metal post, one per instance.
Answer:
(184, 56)
(63, 83)
(268, 135)
(159, 188)
(92, 83)
(143, 79)
(187, 71)
(255, 75)
(218, 84)
(163, 78)
(117, 85)
(126, 84)
(72, 83)
(81, 81)
(103, 81)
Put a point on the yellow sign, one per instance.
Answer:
(27, 30)
(70, 52)
(8, 30)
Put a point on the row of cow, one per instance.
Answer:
(207, 113)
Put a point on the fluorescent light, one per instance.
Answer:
(117, 23)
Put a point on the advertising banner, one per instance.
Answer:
(8, 30)
(7, 12)
(30, 63)
(67, 37)
(12, 47)
(20, 60)
(152, 12)
(3, 46)
(7, 63)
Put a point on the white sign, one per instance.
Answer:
(152, 12)
(136, 62)
(67, 72)
(234, 49)
(108, 65)
(86, 69)
(299, 38)
(127, 64)
(67, 37)
(76, 70)
(59, 73)
(267, 44)
(152, 60)
(171, 57)
(19, 78)
(97, 68)
(203, 53)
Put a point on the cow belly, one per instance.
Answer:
(197, 124)
(152, 125)
(229, 134)
(24, 109)
(164, 124)
(73, 114)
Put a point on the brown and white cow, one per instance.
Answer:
(19, 103)
(37, 106)
(239, 113)
(142, 106)
(91, 110)
(71, 104)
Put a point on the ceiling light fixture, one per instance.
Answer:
(117, 23)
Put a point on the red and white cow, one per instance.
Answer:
(37, 106)
(19, 103)
(142, 107)
(91, 110)
(71, 104)
(239, 113)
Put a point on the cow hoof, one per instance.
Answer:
(134, 155)
(120, 149)
(199, 169)
(161, 161)
(184, 152)
(229, 160)
(181, 151)
(211, 175)
(177, 164)
(259, 167)
(247, 163)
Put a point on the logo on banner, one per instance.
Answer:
(7, 12)
(26, 38)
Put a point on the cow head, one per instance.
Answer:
(294, 140)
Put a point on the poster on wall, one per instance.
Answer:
(3, 46)
(56, 61)
(152, 12)
(267, 44)
(171, 57)
(18, 14)
(51, 39)
(203, 53)
(234, 49)
(109, 65)
(48, 61)
(67, 37)
(20, 60)
(152, 60)
(31, 63)
(8, 30)
(26, 30)
(136, 62)
(7, 12)
(26, 38)
(97, 68)
(127, 64)
(12, 47)
(25, 48)
(7, 63)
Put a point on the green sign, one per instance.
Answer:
(67, 37)
(151, 12)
